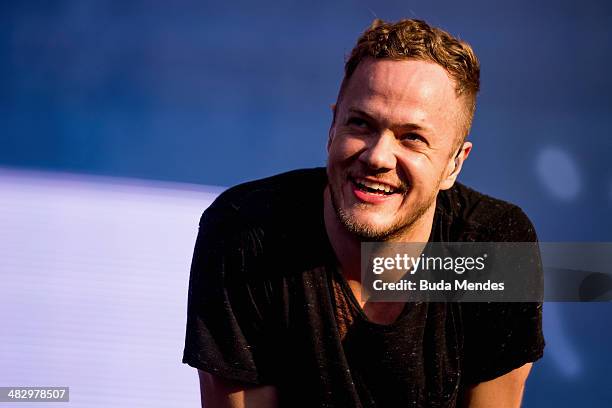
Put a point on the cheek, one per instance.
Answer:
(345, 147)
(416, 167)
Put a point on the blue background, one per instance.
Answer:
(220, 93)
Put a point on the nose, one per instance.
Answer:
(379, 154)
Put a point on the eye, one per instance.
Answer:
(357, 122)
(412, 137)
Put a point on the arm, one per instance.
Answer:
(228, 330)
(502, 392)
(216, 392)
(501, 336)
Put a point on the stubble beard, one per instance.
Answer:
(366, 232)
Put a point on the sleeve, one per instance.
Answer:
(228, 333)
(499, 337)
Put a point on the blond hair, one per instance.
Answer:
(415, 39)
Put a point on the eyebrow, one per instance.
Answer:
(407, 126)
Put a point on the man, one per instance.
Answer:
(275, 314)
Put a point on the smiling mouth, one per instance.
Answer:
(370, 187)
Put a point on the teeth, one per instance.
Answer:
(375, 186)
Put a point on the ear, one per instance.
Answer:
(454, 166)
(332, 131)
(330, 136)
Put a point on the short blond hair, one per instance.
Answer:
(415, 39)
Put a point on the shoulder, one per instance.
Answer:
(271, 219)
(257, 200)
(485, 218)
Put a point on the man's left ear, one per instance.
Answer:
(455, 165)
(330, 135)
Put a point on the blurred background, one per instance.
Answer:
(120, 121)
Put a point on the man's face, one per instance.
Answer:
(393, 144)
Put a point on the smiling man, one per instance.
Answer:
(393, 146)
(275, 313)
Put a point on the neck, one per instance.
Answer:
(347, 246)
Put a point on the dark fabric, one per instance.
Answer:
(268, 306)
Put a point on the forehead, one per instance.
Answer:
(395, 76)
(405, 91)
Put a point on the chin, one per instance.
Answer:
(366, 226)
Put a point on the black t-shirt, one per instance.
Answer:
(267, 305)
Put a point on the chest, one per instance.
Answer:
(376, 356)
